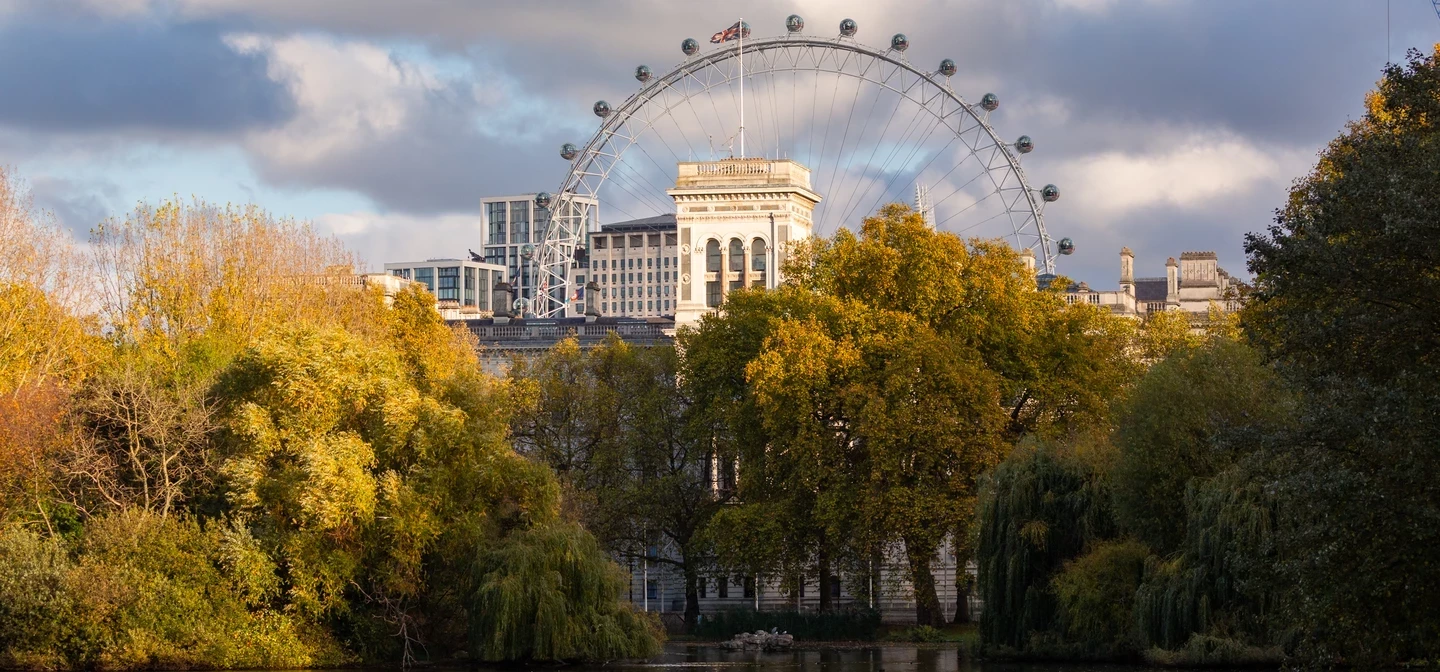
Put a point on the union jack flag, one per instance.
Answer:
(735, 32)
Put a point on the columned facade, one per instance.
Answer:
(736, 219)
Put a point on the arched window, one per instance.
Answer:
(757, 261)
(712, 256)
(737, 255)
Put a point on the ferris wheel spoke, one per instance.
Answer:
(884, 168)
(900, 171)
(871, 160)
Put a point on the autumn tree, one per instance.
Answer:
(929, 356)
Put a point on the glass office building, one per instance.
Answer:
(514, 228)
(456, 284)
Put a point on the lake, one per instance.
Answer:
(685, 657)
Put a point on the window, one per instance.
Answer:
(649, 277)
(449, 289)
(667, 262)
(737, 255)
(749, 586)
(401, 273)
(519, 221)
(802, 587)
(667, 304)
(495, 215)
(737, 284)
(700, 585)
(712, 256)
(650, 306)
(1095, 299)
(649, 262)
(653, 240)
(834, 586)
(670, 239)
(637, 241)
(712, 294)
(722, 587)
(757, 261)
(652, 589)
(427, 276)
(600, 243)
(469, 286)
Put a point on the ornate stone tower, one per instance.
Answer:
(736, 219)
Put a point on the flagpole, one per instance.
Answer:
(741, 56)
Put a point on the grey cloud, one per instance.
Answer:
(87, 76)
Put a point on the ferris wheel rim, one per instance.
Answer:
(550, 254)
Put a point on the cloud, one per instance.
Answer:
(410, 132)
(380, 238)
(1198, 170)
(108, 76)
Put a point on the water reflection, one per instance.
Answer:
(894, 658)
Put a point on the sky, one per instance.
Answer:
(1170, 125)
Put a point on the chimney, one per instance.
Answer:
(1127, 270)
(1172, 282)
(500, 299)
(592, 311)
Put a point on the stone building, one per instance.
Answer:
(1190, 285)
(736, 219)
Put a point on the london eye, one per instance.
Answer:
(871, 125)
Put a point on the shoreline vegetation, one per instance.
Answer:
(218, 450)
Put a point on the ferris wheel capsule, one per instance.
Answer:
(1066, 246)
(990, 102)
(643, 73)
(601, 109)
(1024, 145)
(542, 200)
(690, 46)
(947, 67)
(568, 151)
(794, 23)
(899, 42)
(848, 27)
(527, 251)
(1050, 193)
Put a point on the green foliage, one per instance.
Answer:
(1095, 595)
(851, 625)
(144, 592)
(920, 634)
(1040, 508)
(1189, 418)
(550, 594)
(1205, 651)
(1344, 303)
(866, 396)
(630, 449)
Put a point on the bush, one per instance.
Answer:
(550, 594)
(838, 625)
(1095, 595)
(924, 634)
(37, 606)
(145, 592)
(1206, 651)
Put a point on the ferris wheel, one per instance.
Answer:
(872, 127)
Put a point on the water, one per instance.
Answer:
(889, 658)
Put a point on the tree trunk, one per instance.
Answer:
(964, 551)
(692, 597)
(825, 578)
(927, 602)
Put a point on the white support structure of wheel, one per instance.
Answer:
(915, 134)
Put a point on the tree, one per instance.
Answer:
(1190, 417)
(618, 426)
(904, 361)
(1345, 303)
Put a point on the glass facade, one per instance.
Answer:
(449, 284)
(495, 216)
(427, 276)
